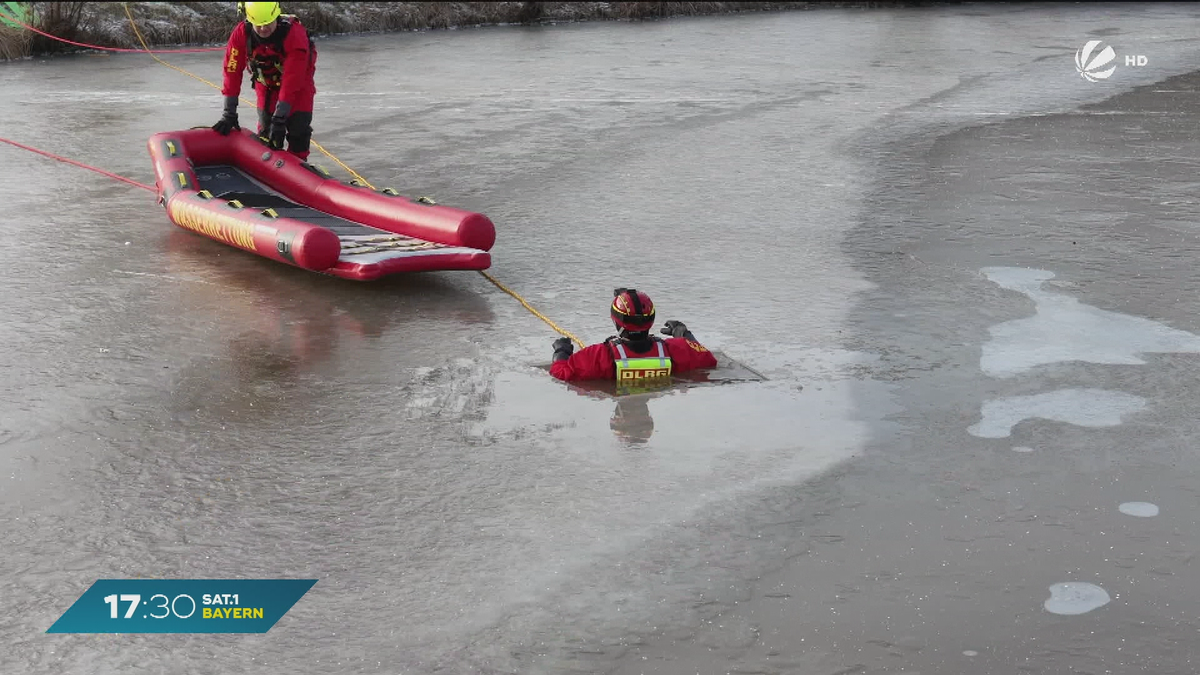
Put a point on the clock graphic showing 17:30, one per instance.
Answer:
(181, 605)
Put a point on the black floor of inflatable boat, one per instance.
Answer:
(229, 182)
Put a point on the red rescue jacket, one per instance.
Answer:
(286, 61)
(598, 361)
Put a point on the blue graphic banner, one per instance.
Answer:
(182, 605)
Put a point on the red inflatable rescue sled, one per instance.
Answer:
(242, 193)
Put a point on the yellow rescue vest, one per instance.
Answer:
(642, 370)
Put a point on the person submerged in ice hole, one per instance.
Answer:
(633, 357)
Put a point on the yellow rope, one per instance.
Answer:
(339, 163)
(328, 154)
(531, 309)
(154, 56)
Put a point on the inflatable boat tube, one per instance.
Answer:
(238, 191)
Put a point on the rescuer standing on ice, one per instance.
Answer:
(282, 61)
(633, 356)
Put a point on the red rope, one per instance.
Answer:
(79, 164)
(14, 19)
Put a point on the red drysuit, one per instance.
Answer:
(598, 361)
(283, 66)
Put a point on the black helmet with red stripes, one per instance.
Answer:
(632, 310)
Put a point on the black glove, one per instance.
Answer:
(278, 130)
(563, 348)
(675, 329)
(277, 133)
(229, 120)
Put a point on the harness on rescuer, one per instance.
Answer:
(633, 313)
(264, 56)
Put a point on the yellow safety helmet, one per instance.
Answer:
(261, 13)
